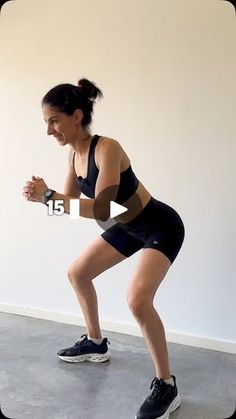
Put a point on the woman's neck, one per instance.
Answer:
(82, 143)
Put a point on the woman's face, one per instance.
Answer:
(62, 126)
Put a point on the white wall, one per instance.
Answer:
(167, 70)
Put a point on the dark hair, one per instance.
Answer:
(68, 97)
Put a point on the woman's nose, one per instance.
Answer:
(49, 130)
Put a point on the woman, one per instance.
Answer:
(100, 168)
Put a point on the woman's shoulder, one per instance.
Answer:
(112, 145)
(109, 143)
(104, 141)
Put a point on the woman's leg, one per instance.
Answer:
(95, 259)
(150, 271)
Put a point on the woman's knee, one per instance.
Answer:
(77, 274)
(138, 302)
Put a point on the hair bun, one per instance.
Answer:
(90, 89)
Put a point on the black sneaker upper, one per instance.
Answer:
(84, 347)
(159, 400)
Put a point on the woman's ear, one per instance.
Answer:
(78, 115)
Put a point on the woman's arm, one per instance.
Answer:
(106, 186)
(89, 208)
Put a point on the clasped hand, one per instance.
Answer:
(35, 189)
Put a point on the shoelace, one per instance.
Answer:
(159, 389)
(85, 341)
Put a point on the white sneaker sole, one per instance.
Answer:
(90, 358)
(173, 406)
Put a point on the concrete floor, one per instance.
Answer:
(35, 384)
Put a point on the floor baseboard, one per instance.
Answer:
(129, 329)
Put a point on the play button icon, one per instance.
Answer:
(116, 209)
(115, 212)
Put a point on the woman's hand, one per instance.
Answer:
(35, 189)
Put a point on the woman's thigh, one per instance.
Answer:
(96, 258)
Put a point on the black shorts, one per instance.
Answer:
(158, 226)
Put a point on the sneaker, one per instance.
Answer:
(86, 350)
(163, 400)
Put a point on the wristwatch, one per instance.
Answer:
(47, 195)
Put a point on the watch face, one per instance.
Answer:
(48, 193)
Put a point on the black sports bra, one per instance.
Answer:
(128, 181)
